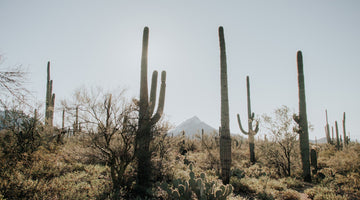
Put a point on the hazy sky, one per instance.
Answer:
(98, 43)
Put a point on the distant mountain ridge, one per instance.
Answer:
(322, 140)
(191, 127)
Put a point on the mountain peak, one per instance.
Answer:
(192, 126)
(194, 119)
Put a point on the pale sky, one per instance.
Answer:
(98, 43)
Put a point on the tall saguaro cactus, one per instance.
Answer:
(76, 125)
(225, 140)
(327, 129)
(50, 99)
(63, 121)
(337, 136)
(346, 140)
(147, 119)
(301, 119)
(251, 132)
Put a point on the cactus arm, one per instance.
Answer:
(63, 120)
(160, 107)
(48, 93)
(252, 116)
(50, 89)
(240, 126)
(53, 100)
(153, 92)
(47, 97)
(248, 98)
(143, 81)
(256, 128)
(251, 130)
(326, 117)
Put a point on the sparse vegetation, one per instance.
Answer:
(74, 170)
(122, 150)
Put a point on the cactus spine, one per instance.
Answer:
(250, 133)
(50, 99)
(225, 140)
(301, 119)
(327, 129)
(147, 119)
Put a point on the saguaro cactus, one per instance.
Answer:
(344, 132)
(327, 129)
(337, 136)
(250, 133)
(76, 125)
(147, 119)
(63, 120)
(313, 155)
(301, 119)
(225, 140)
(50, 99)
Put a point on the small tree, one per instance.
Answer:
(110, 123)
(12, 81)
(281, 130)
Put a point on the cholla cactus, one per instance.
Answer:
(251, 132)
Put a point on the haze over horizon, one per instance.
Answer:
(96, 43)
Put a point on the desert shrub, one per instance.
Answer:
(164, 155)
(323, 193)
(49, 174)
(290, 195)
(241, 155)
(238, 173)
(292, 183)
(256, 171)
(264, 187)
(345, 161)
(264, 196)
(348, 184)
(246, 185)
(276, 185)
(282, 152)
(339, 171)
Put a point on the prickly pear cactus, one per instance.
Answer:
(197, 187)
